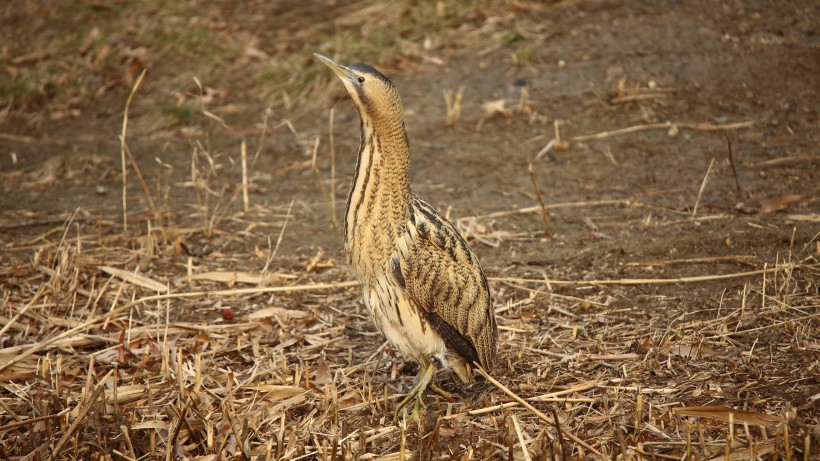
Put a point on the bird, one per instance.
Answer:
(422, 285)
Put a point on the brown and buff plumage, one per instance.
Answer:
(422, 284)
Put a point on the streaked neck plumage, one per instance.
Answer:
(379, 202)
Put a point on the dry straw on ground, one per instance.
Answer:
(101, 358)
(152, 331)
(95, 363)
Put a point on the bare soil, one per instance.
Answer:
(681, 269)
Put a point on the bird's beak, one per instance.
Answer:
(341, 71)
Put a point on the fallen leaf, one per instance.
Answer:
(323, 375)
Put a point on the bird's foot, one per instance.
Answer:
(419, 406)
(417, 394)
(448, 396)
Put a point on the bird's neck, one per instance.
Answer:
(379, 201)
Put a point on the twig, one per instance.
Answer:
(114, 312)
(205, 111)
(732, 161)
(26, 422)
(544, 151)
(22, 311)
(575, 388)
(431, 443)
(332, 174)
(128, 443)
(561, 432)
(80, 416)
(261, 138)
(811, 217)
(702, 187)
(791, 159)
(533, 209)
(328, 198)
(531, 408)
(490, 409)
(698, 278)
(452, 102)
(666, 125)
(521, 440)
(174, 435)
(560, 145)
(544, 213)
(281, 232)
(734, 259)
(637, 97)
(123, 150)
(136, 279)
(244, 152)
(141, 179)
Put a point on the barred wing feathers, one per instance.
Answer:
(443, 278)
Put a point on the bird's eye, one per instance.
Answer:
(361, 79)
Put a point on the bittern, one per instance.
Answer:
(422, 285)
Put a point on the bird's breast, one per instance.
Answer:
(377, 209)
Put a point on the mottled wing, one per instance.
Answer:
(443, 278)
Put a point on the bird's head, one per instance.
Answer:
(372, 93)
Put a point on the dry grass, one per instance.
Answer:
(452, 103)
(100, 357)
(55, 73)
(157, 331)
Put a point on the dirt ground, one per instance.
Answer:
(673, 312)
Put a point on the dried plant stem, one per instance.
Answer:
(544, 213)
(122, 309)
(124, 149)
(141, 179)
(715, 259)
(520, 435)
(544, 151)
(531, 408)
(328, 197)
(332, 173)
(22, 311)
(732, 161)
(553, 206)
(37, 419)
(452, 102)
(693, 279)
(82, 413)
(702, 187)
(559, 144)
(662, 126)
(261, 138)
(244, 152)
(240, 291)
(782, 160)
(281, 232)
(128, 443)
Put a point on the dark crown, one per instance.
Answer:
(370, 70)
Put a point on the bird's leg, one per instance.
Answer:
(417, 392)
